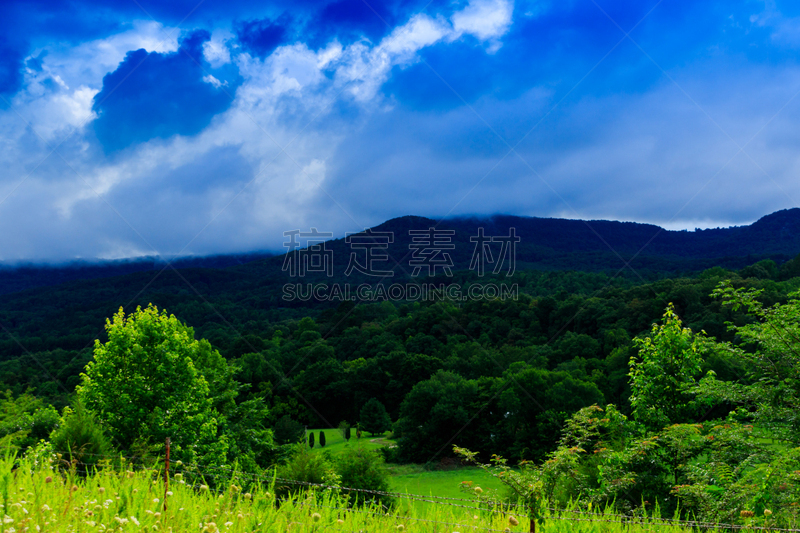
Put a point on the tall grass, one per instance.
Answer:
(37, 496)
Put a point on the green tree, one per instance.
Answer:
(343, 427)
(770, 347)
(664, 372)
(310, 439)
(374, 417)
(288, 431)
(80, 436)
(143, 386)
(321, 439)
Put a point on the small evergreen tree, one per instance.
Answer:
(321, 439)
(288, 431)
(347, 433)
(374, 417)
(311, 439)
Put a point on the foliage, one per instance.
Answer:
(143, 385)
(361, 468)
(343, 429)
(768, 341)
(310, 439)
(374, 417)
(24, 421)
(306, 468)
(80, 436)
(321, 439)
(288, 431)
(664, 371)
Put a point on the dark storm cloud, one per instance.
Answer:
(261, 36)
(158, 95)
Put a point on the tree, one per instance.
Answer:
(347, 433)
(770, 348)
(288, 431)
(143, 386)
(343, 427)
(80, 436)
(664, 372)
(374, 417)
(321, 439)
(311, 439)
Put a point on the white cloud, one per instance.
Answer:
(488, 20)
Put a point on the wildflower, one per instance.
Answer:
(101, 490)
(240, 516)
(767, 512)
(400, 527)
(91, 523)
(228, 524)
(130, 474)
(46, 508)
(746, 514)
(169, 493)
(134, 520)
(74, 488)
(247, 495)
(155, 500)
(478, 490)
(178, 476)
(513, 521)
(316, 517)
(48, 479)
(135, 491)
(157, 515)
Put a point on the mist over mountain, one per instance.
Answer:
(544, 244)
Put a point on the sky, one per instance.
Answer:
(141, 127)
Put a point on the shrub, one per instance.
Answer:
(80, 436)
(363, 469)
(304, 467)
(321, 439)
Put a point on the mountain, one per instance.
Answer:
(544, 244)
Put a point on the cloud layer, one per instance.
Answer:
(168, 130)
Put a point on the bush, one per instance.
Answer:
(304, 467)
(321, 439)
(359, 468)
(81, 437)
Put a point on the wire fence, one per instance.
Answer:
(484, 505)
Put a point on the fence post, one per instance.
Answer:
(166, 477)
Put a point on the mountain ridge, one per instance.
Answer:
(545, 243)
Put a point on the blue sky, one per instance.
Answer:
(136, 127)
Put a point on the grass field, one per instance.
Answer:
(334, 442)
(38, 497)
(412, 479)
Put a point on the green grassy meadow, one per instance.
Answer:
(37, 496)
(334, 442)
